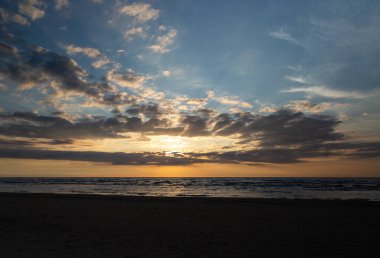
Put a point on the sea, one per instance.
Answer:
(290, 188)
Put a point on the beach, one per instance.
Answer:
(68, 225)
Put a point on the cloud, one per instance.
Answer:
(233, 101)
(60, 4)
(295, 155)
(49, 72)
(38, 66)
(149, 93)
(140, 11)
(195, 126)
(3, 87)
(323, 91)
(282, 128)
(282, 137)
(139, 118)
(279, 156)
(163, 42)
(194, 101)
(32, 125)
(268, 109)
(100, 63)
(228, 100)
(120, 98)
(7, 51)
(148, 110)
(306, 106)
(7, 16)
(12, 143)
(89, 52)
(134, 32)
(166, 73)
(129, 78)
(299, 79)
(32, 9)
(295, 68)
(115, 158)
(283, 35)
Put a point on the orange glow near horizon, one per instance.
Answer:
(60, 168)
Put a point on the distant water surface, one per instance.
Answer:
(306, 188)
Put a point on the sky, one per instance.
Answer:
(189, 88)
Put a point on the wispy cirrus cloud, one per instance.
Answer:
(300, 79)
(295, 68)
(228, 100)
(308, 107)
(283, 35)
(324, 91)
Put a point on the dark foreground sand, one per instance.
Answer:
(43, 225)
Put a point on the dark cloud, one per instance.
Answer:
(29, 66)
(282, 137)
(229, 124)
(118, 99)
(286, 128)
(195, 126)
(150, 110)
(250, 157)
(34, 118)
(116, 158)
(30, 143)
(31, 125)
(294, 155)
(282, 128)
(221, 121)
(7, 51)
(254, 156)
(61, 141)
(128, 78)
(7, 143)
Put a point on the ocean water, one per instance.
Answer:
(306, 188)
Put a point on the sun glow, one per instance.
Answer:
(172, 144)
(154, 143)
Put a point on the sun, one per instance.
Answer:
(172, 144)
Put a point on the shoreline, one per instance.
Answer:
(78, 225)
(181, 197)
(186, 197)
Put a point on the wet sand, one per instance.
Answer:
(52, 225)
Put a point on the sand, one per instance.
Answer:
(49, 225)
